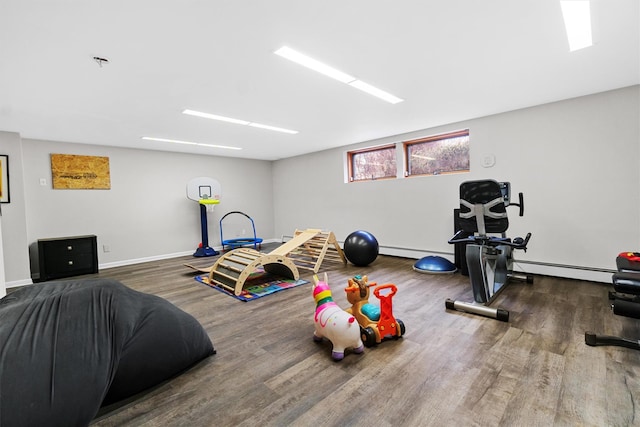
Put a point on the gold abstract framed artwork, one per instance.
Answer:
(70, 171)
(4, 178)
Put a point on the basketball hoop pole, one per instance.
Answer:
(204, 249)
(205, 191)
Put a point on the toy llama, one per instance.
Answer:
(334, 323)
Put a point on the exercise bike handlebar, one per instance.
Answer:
(520, 204)
(517, 243)
(461, 236)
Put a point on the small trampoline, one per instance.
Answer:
(434, 265)
(229, 244)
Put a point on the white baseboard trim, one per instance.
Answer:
(568, 272)
(141, 260)
(540, 268)
(18, 283)
(161, 257)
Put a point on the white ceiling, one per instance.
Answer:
(449, 60)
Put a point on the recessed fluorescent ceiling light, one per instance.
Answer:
(176, 141)
(237, 121)
(577, 21)
(315, 65)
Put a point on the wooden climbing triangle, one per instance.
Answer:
(306, 250)
(310, 248)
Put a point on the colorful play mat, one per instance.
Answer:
(267, 286)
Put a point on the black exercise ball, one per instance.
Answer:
(361, 248)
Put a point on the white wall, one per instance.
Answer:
(576, 161)
(14, 224)
(146, 214)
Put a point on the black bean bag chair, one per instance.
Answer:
(69, 347)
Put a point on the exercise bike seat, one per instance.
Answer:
(482, 211)
(482, 207)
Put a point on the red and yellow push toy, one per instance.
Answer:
(376, 323)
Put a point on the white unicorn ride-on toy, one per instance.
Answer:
(333, 323)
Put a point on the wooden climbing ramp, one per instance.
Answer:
(232, 269)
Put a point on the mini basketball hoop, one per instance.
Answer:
(205, 191)
(204, 188)
(209, 204)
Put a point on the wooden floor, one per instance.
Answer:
(450, 368)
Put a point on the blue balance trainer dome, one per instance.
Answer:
(434, 265)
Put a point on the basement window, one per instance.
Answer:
(372, 163)
(439, 154)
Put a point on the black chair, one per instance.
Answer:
(625, 299)
(489, 257)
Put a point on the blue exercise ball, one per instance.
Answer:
(434, 265)
(361, 248)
